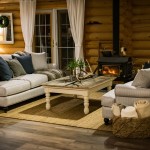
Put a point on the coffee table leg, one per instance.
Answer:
(109, 88)
(86, 104)
(48, 106)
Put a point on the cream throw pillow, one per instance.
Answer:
(142, 79)
(39, 61)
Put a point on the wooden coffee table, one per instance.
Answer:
(83, 88)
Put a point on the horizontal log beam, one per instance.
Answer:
(8, 1)
(141, 53)
(17, 44)
(141, 36)
(98, 3)
(10, 50)
(141, 45)
(98, 36)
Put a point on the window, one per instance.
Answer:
(53, 36)
(43, 34)
(66, 44)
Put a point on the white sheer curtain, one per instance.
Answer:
(76, 9)
(27, 16)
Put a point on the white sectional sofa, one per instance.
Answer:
(23, 87)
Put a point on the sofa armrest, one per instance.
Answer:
(108, 98)
(126, 90)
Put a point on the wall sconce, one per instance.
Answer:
(1, 34)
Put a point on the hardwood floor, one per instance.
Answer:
(27, 135)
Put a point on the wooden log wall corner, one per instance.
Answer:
(140, 32)
(134, 27)
(98, 28)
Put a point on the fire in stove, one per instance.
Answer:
(111, 70)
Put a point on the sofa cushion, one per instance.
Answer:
(39, 61)
(34, 79)
(16, 67)
(5, 71)
(142, 79)
(26, 62)
(12, 87)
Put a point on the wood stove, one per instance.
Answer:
(118, 66)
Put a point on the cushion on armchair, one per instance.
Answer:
(142, 79)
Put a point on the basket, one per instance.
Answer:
(131, 127)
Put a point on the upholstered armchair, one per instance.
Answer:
(126, 94)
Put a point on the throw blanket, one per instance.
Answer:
(142, 108)
(51, 73)
(129, 112)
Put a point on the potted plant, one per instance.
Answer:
(72, 65)
(77, 69)
(81, 65)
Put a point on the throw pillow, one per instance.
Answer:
(16, 67)
(142, 79)
(39, 61)
(5, 71)
(26, 62)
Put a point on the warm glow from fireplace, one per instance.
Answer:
(111, 70)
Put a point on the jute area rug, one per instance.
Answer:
(65, 110)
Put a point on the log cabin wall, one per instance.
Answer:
(134, 27)
(126, 25)
(140, 31)
(12, 6)
(98, 28)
